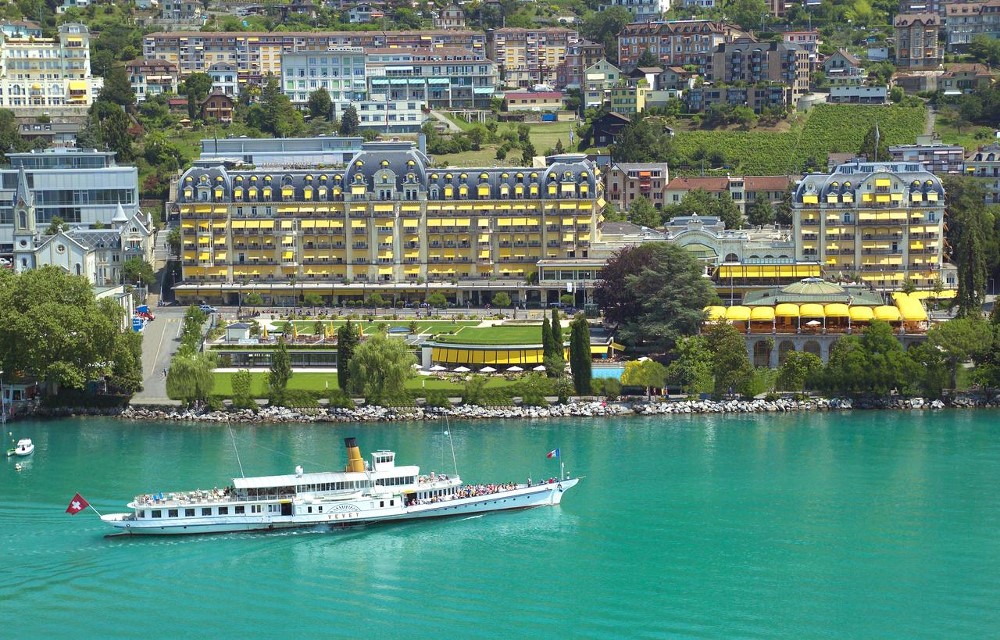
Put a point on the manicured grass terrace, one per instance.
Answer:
(322, 382)
(521, 335)
(305, 327)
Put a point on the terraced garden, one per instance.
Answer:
(494, 336)
(827, 129)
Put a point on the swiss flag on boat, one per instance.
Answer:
(76, 505)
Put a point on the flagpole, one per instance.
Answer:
(95, 510)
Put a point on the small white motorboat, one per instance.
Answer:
(24, 447)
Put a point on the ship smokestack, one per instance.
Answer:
(354, 460)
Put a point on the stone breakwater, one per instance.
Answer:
(577, 409)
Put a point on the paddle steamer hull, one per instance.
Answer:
(364, 493)
(371, 510)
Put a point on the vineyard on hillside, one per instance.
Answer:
(828, 129)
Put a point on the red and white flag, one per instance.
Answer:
(76, 505)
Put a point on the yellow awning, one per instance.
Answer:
(786, 310)
(882, 182)
(762, 313)
(757, 271)
(811, 310)
(78, 85)
(887, 313)
(738, 313)
(861, 314)
(410, 224)
(715, 313)
(837, 310)
(913, 311)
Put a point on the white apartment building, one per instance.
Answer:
(339, 70)
(47, 72)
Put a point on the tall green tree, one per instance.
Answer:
(648, 374)
(647, 59)
(961, 340)
(604, 26)
(783, 210)
(280, 371)
(702, 203)
(557, 337)
(242, 390)
(761, 213)
(971, 229)
(10, 134)
(875, 136)
(500, 300)
(579, 354)
(107, 126)
(800, 371)
(53, 329)
(274, 113)
(136, 269)
(888, 365)
(190, 378)
(118, 89)
(731, 368)
(644, 139)
(350, 124)
(197, 86)
(691, 368)
(380, 368)
(320, 105)
(653, 294)
(348, 338)
(643, 213)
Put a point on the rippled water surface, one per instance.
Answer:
(864, 525)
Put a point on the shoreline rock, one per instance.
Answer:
(577, 409)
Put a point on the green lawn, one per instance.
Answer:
(519, 335)
(321, 382)
(544, 136)
(306, 327)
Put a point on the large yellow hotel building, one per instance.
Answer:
(882, 221)
(388, 222)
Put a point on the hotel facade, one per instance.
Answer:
(388, 222)
(46, 73)
(881, 221)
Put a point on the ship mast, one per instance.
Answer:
(447, 432)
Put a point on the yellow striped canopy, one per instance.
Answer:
(786, 310)
(887, 313)
(715, 313)
(837, 310)
(762, 313)
(862, 314)
(738, 314)
(911, 310)
(812, 310)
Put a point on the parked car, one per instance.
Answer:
(207, 308)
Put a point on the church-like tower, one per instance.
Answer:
(24, 225)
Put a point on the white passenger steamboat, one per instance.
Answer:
(364, 493)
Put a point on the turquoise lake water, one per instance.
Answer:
(862, 525)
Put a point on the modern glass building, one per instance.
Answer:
(82, 186)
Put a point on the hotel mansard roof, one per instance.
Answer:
(860, 177)
(387, 171)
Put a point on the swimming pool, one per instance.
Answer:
(613, 371)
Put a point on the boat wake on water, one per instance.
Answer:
(366, 492)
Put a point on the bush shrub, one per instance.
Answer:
(437, 399)
(340, 399)
(296, 399)
(610, 388)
